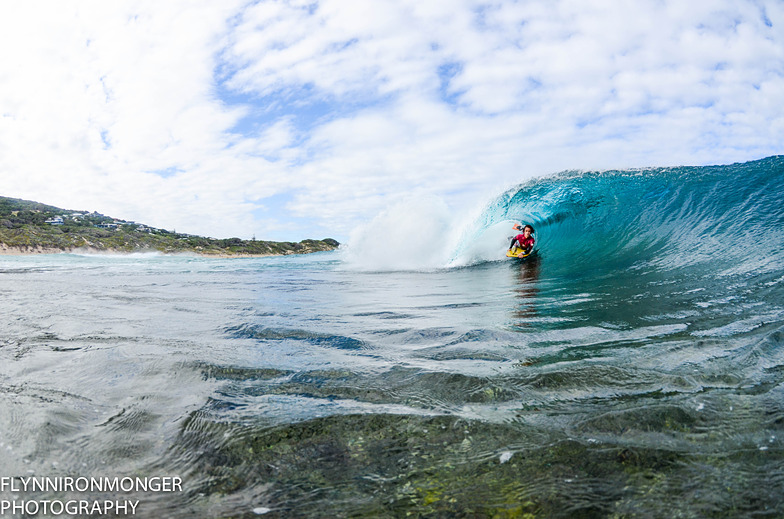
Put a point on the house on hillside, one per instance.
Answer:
(57, 220)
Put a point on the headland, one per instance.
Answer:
(28, 227)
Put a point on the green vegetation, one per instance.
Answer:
(30, 226)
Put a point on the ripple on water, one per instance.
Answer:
(260, 333)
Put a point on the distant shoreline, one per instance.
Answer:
(6, 250)
(28, 228)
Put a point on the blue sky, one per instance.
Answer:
(287, 120)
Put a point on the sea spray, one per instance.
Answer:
(416, 234)
(483, 244)
(424, 233)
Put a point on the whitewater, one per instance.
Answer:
(632, 368)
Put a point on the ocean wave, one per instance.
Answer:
(664, 218)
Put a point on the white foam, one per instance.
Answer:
(411, 235)
(488, 244)
(423, 233)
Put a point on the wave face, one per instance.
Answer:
(662, 219)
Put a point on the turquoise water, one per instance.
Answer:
(633, 368)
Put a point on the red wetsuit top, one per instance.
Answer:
(525, 243)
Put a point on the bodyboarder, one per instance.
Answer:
(524, 241)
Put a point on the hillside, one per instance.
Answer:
(27, 226)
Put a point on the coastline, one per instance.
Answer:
(30, 228)
(6, 250)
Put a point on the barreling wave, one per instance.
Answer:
(663, 218)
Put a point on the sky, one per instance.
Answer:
(285, 120)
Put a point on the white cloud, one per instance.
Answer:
(100, 96)
(196, 115)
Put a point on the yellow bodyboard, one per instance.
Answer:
(514, 253)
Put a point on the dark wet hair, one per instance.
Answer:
(529, 227)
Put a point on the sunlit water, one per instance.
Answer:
(639, 378)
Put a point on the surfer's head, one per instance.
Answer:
(528, 228)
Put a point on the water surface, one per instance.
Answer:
(633, 368)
